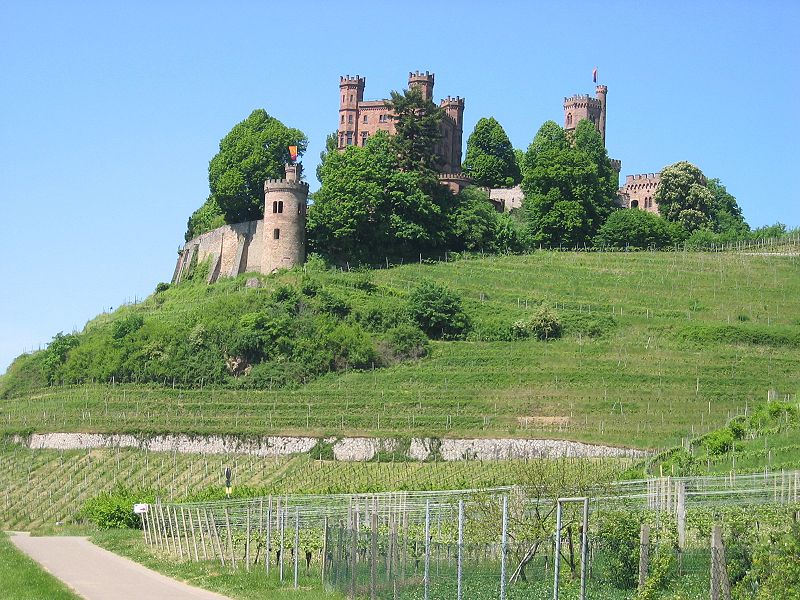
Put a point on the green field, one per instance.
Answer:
(680, 343)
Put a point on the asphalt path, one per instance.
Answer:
(97, 574)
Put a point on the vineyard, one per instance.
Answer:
(658, 348)
(671, 535)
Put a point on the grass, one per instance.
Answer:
(21, 578)
(693, 338)
(240, 585)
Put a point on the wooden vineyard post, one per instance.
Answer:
(720, 587)
(644, 553)
(177, 532)
(194, 536)
(185, 533)
(247, 541)
(373, 564)
(215, 537)
(324, 550)
(268, 548)
(230, 537)
(296, 544)
(202, 535)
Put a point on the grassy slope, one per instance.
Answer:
(21, 578)
(645, 383)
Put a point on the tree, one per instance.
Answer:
(254, 150)
(417, 130)
(725, 211)
(490, 160)
(207, 217)
(474, 222)
(330, 146)
(437, 310)
(682, 196)
(369, 208)
(569, 185)
(634, 230)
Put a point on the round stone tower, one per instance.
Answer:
(285, 203)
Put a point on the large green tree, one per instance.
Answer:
(254, 150)
(569, 185)
(369, 207)
(683, 196)
(417, 124)
(490, 160)
(726, 214)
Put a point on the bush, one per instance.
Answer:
(437, 310)
(619, 537)
(543, 324)
(126, 325)
(719, 442)
(114, 509)
(407, 342)
(591, 325)
(162, 287)
(633, 229)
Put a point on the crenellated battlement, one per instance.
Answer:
(458, 100)
(347, 80)
(284, 184)
(584, 99)
(427, 76)
(642, 176)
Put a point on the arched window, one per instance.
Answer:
(634, 204)
(569, 118)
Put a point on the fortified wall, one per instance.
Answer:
(275, 242)
(639, 190)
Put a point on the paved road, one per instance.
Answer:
(97, 574)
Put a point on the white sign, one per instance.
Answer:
(140, 508)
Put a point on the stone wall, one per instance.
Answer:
(232, 249)
(506, 199)
(639, 191)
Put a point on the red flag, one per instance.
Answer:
(293, 152)
(594, 75)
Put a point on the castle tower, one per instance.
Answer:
(423, 81)
(351, 92)
(285, 201)
(601, 91)
(582, 106)
(452, 134)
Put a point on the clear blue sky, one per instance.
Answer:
(112, 110)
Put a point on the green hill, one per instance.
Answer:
(657, 347)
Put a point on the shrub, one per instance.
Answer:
(633, 230)
(407, 342)
(619, 536)
(162, 287)
(719, 442)
(591, 325)
(126, 325)
(543, 324)
(114, 509)
(437, 310)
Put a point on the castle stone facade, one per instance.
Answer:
(639, 190)
(276, 242)
(359, 119)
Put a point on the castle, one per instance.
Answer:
(359, 119)
(278, 241)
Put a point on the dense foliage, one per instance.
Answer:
(683, 196)
(490, 159)
(113, 509)
(569, 185)
(437, 310)
(369, 208)
(254, 150)
(634, 230)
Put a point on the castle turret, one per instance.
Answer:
(285, 201)
(351, 90)
(451, 149)
(601, 91)
(423, 81)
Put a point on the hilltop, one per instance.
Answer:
(656, 348)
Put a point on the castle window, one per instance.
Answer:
(351, 97)
(569, 119)
(276, 234)
(342, 118)
(363, 138)
(349, 138)
(365, 118)
(279, 206)
(382, 119)
(634, 204)
(349, 118)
